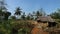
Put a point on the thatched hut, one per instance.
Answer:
(46, 19)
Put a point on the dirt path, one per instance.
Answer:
(36, 30)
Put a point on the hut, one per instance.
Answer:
(46, 19)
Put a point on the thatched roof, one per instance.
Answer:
(45, 18)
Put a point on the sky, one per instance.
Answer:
(28, 6)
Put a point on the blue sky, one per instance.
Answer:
(29, 6)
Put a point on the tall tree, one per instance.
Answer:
(3, 10)
(42, 12)
(18, 11)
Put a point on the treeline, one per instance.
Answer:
(19, 14)
(31, 16)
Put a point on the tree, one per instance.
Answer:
(33, 13)
(32, 16)
(6, 15)
(38, 14)
(42, 12)
(56, 15)
(18, 11)
(13, 17)
(28, 17)
(0, 12)
(23, 16)
(3, 10)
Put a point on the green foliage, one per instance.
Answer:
(22, 27)
(56, 15)
(38, 13)
(3, 10)
(24, 30)
(5, 27)
(23, 16)
(0, 11)
(6, 15)
(13, 17)
(28, 17)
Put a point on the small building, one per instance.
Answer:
(46, 19)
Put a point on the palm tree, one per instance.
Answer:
(18, 11)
